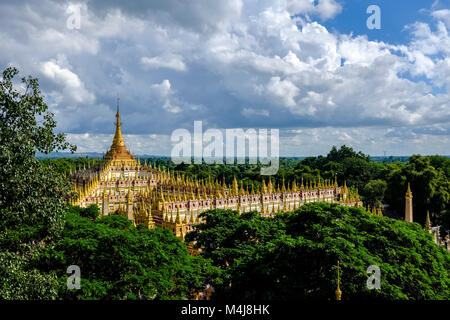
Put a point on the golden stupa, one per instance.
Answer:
(118, 150)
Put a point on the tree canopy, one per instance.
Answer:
(120, 261)
(294, 255)
(32, 195)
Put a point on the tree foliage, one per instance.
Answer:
(120, 261)
(294, 255)
(32, 196)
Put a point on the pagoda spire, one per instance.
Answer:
(118, 150)
(338, 289)
(428, 221)
(408, 205)
(118, 138)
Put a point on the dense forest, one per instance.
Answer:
(290, 256)
(293, 256)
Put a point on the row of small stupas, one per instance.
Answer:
(154, 196)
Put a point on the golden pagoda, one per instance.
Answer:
(156, 196)
(118, 150)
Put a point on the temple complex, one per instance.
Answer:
(153, 196)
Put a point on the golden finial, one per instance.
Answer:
(408, 192)
(338, 290)
(427, 221)
(264, 188)
(379, 211)
(241, 191)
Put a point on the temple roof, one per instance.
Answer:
(118, 150)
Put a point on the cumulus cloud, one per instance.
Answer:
(69, 81)
(238, 63)
(442, 15)
(164, 93)
(283, 90)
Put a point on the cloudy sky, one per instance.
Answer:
(310, 68)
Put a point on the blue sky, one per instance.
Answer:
(309, 68)
(395, 16)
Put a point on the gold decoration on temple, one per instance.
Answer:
(338, 289)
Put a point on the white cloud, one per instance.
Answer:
(429, 42)
(360, 51)
(70, 82)
(442, 15)
(283, 90)
(164, 92)
(325, 9)
(169, 61)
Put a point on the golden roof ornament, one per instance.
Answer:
(338, 289)
(379, 211)
(427, 221)
(408, 192)
(241, 190)
(264, 188)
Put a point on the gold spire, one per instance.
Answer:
(408, 205)
(263, 188)
(338, 290)
(235, 187)
(118, 151)
(408, 193)
(241, 189)
(379, 211)
(427, 221)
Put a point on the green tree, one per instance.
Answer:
(32, 196)
(344, 152)
(293, 256)
(120, 261)
(373, 192)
